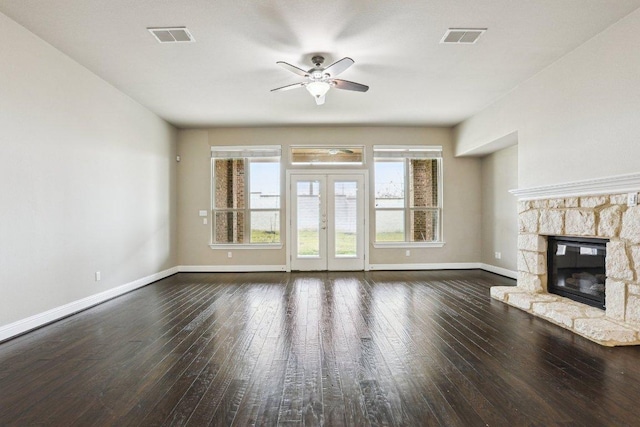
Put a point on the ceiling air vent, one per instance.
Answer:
(172, 35)
(462, 35)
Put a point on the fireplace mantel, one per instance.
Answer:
(592, 187)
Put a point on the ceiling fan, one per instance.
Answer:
(320, 80)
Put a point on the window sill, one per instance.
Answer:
(408, 245)
(260, 246)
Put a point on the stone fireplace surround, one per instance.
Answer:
(603, 216)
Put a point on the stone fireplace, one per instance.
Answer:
(603, 216)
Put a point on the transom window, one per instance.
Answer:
(408, 194)
(246, 195)
(327, 156)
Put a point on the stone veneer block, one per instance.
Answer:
(631, 225)
(540, 204)
(580, 222)
(502, 293)
(531, 262)
(632, 311)
(605, 332)
(531, 282)
(618, 199)
(616, 299)
(524, 300)
(635, 259)
(556, 312)
(528, 221)
(617, 262)
(571, 202)
(610, 220)
(532, 242)
(556, 203)
(551, 222)
(592, 202)
(524, 205)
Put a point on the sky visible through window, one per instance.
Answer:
(265, 178)
(389, 176)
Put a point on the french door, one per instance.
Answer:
(327, 221)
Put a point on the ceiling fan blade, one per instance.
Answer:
(293, 69)
(288, 87)
(319, 100)
(347, 85)
(338, 66)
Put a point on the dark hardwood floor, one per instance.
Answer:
(378, 348)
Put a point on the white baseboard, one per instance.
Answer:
(35, 321)
(433, 266)
(499, 270)
(229, 268)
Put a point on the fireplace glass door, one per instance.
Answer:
(576, 269)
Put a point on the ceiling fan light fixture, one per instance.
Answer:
(318, 89)
(319, 80)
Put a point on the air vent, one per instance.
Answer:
(172, 35)
(462, 35)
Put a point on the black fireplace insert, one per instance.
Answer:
(576, 269)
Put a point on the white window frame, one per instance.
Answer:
(406, 153)
(245, 152)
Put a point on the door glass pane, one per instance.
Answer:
(390, 226)
(345, 208)
(308, 220)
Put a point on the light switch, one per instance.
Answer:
(204, 213)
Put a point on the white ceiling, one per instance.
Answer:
(224, 79)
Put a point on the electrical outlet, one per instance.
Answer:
(498, 255)
(229, 254)
(204, 221)
(632, 199)
(98, 276)
(407, 253)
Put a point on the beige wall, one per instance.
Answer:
(500, 208)
(462, 190)
(575, 120)
(87, 178)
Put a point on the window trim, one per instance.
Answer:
(245, 152)
(405, 153)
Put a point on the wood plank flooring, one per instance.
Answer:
(310, 349)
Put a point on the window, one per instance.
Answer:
(334, 155)
(246, 195)
(408, 199)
